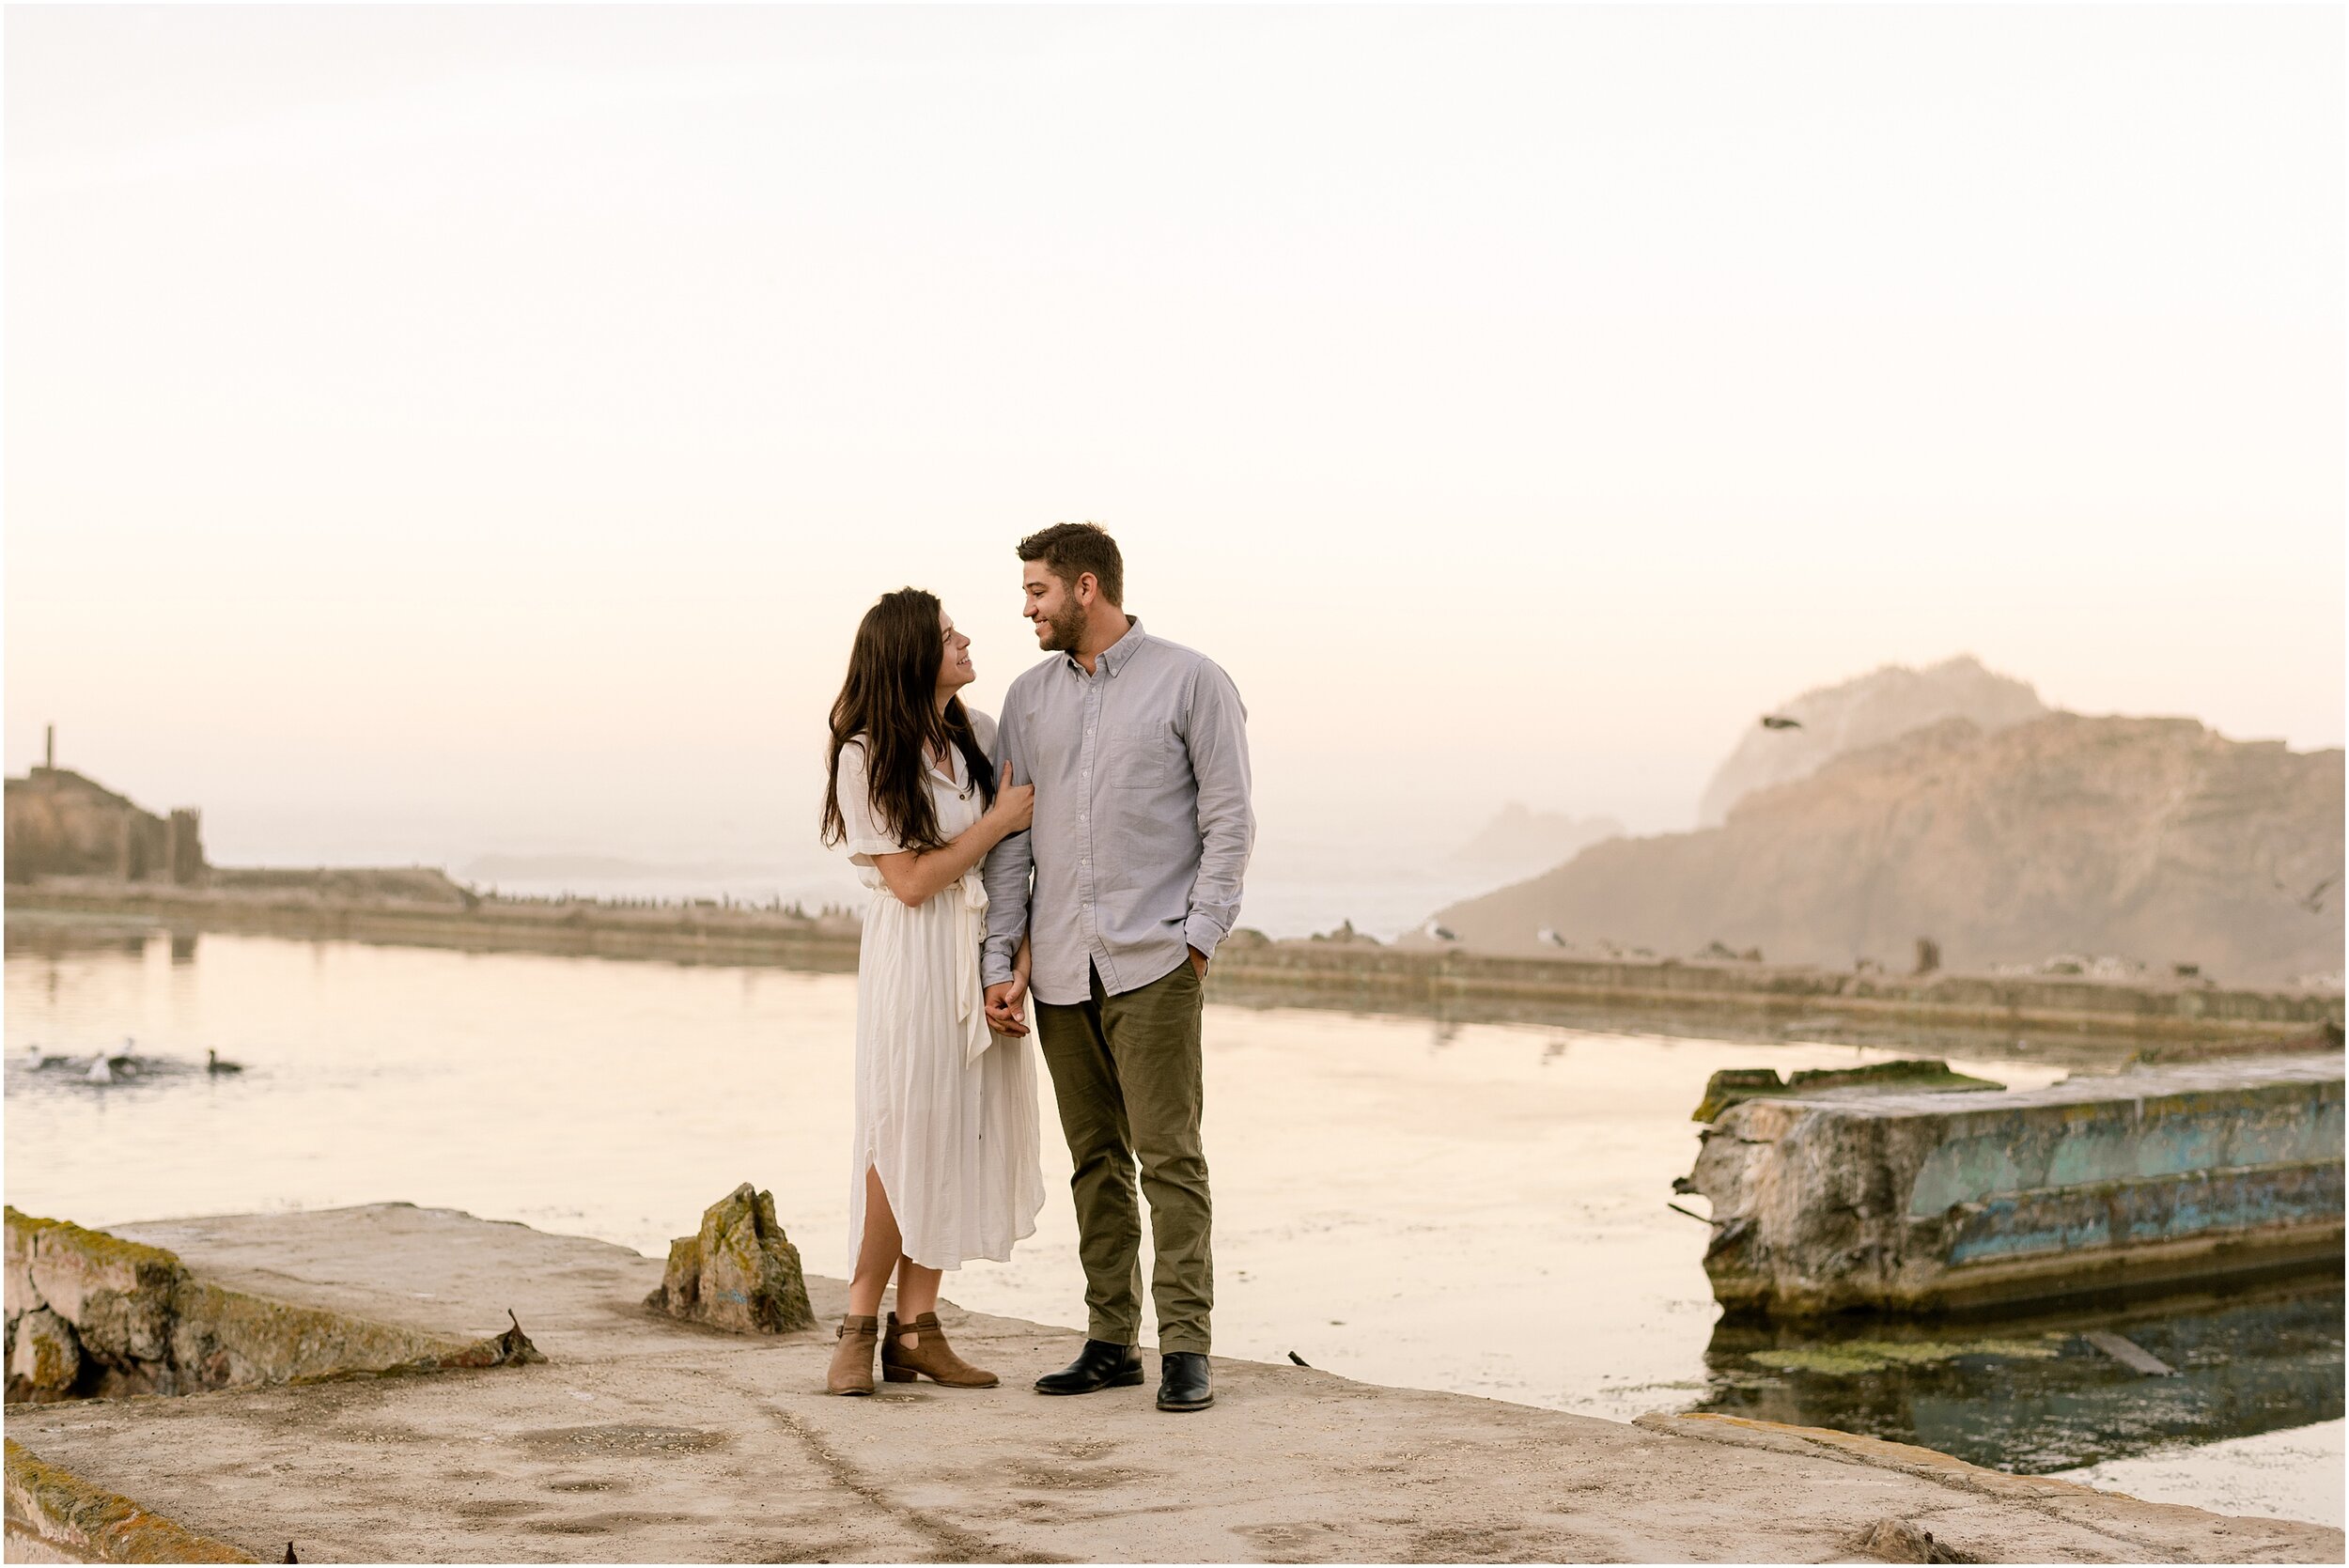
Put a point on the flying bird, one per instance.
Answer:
(1552, 938)
(1301, 1361)
(1779, 722)
(1442, 933)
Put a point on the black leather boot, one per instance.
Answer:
(1100, 1365)
(1184, 1382)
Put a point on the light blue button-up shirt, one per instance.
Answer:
(1143, 825)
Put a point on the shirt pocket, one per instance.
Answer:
(1137, 754)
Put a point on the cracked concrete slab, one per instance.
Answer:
(648, 1439)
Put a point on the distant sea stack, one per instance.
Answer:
(1875, 709)
(2155, 839)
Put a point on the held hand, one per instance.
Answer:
(1015, 805)
(1005, 1013)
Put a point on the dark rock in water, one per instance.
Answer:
(739, 1272)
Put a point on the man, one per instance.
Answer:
(1139, 755)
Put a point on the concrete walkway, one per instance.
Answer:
(647, 1440)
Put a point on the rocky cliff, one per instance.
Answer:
(1876, 707)
(2152, 838)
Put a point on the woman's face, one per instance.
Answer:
(955, 669)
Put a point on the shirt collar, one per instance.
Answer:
(1114, 657)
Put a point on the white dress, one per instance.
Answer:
(945, 1109)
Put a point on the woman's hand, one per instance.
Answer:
(1015, 805)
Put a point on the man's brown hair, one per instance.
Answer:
(1070, 549)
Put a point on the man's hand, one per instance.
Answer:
(1007, 1006)
(1198, 962)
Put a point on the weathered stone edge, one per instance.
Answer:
(84, 1520)
(1853, 1447)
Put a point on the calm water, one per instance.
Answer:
(1471, 1207)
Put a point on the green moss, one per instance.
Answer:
(1732, 1085)
(1853, 1358)
(143, 1262)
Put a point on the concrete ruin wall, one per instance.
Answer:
(60, 824)
(1930, 1202)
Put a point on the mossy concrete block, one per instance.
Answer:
(1832, 1200)
(88, 1523)
(44, 1357)
(224, 1337)
(119, 1319)
(116, 1294)
(739, 1272)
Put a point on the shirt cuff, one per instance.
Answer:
(994, 967)
(1202, 932)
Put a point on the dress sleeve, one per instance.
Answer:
(866, 837)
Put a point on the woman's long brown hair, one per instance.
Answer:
(890, 698)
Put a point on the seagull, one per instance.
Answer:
(36, 1058)
(100, 1070)
(1779, 722)
(1552, 938)
(125, 1061)
(1441, 933)
(212, 1063)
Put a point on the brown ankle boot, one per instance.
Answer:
(930, 1355)
(852, 1359)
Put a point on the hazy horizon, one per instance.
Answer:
(441, 433)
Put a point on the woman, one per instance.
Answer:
(944, 1166)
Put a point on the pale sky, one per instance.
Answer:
(442, 430)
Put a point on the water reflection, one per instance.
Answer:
(2034, 1395)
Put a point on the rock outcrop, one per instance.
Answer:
(1884, 705)
(2152, 838)
(740, 1271)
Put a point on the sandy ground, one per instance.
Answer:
(647, 1440)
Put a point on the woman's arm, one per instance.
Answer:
(917, 876)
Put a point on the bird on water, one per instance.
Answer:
(212, 1063)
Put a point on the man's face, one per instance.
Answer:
(1055, 607)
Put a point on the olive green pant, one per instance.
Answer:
(1126, 1071)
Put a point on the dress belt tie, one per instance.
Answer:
(970, 995)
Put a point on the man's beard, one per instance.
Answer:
(1065, 632)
